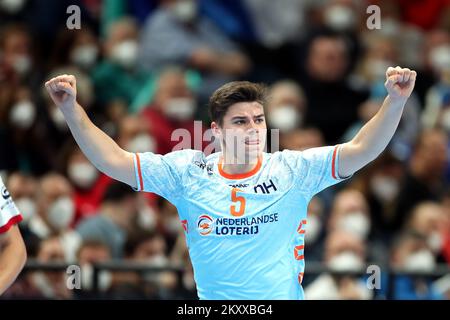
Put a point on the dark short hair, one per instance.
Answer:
(117, 191)
(234, 92)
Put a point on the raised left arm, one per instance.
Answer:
(375, 135)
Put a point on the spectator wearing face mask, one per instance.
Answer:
(17, 54)
(119, 76)
(134, 134)
(424, 179)
(23, 187)
(89, 184)
(78, 48)
(343, 252)
(177, 34)
(51, 284)
(24, 144)
(115, 220)
(428, 220)
(350, 213)
(173, 107)
(411, 253)
(55, 213)
(437, 99)
(287, 107)
(380, 184)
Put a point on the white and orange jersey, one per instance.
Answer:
(9, 214)
(245, 233)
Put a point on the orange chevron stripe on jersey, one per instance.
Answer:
(300, 229)
(297, 254)
(239, 175)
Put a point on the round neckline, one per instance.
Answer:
(238, 176)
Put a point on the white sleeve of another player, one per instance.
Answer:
(9, 214)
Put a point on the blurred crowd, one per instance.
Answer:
(147, 67)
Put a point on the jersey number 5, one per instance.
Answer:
(241, 205)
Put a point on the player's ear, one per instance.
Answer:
(216, 131)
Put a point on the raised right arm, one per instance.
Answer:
(104, 153)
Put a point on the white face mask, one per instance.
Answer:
(422, 260)
(12, 6)
(104, 278)
(285, 118)
(83, 174)
(180, 109)
(390, 27)
(346, 261)
(61, 213)
(22, 64)
(58, 119)
(159, 260)
(27, 207)
(84, 56)
(356, 222)
(435, 242)
(385, 188)
(125, 53)
(185, 10)
(440, 58)
(313, 228)
(146, 218)
(142, 143)
(340, 18)
(378, 67)
(23, 114)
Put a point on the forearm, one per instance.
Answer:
(373, 137)
(98, 147)
(12, 258)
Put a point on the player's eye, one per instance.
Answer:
(239, 122)
(259, 120)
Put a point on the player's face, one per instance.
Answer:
(243, 131)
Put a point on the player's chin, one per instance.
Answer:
(254, 150)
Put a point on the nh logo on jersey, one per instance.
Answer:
(265, 188)
(5, 193)
(205, 224)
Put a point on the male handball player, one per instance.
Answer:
(243, 210)
(12, 248)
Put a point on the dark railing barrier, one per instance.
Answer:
(312, 268)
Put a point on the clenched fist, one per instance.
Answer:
(400, 82)
(62, 89)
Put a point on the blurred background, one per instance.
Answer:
(147, 67)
